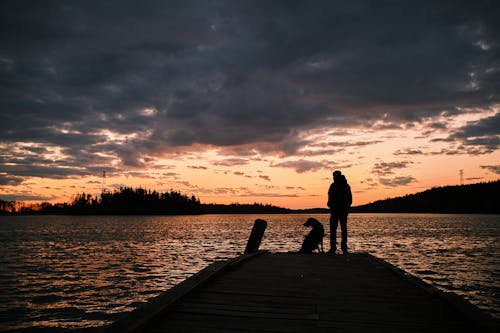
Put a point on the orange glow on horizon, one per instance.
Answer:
(378, 164)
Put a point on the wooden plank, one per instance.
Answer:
(132, 322)
(312, 293)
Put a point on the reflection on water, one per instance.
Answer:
(75, 272)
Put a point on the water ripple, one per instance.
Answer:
(68, 273)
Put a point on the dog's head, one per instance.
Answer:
(312, 222)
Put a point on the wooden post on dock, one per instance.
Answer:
(256, 235)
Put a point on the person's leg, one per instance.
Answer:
(343, 227)
(334, 220)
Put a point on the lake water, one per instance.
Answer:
(67, 273)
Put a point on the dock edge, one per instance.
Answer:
(457, 302)
(134, 321)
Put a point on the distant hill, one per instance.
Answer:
(236, 208)
(311, 211)
(480, 198)
(138, 201)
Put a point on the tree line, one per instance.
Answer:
(138, 201)
(480, 198)
(124, 201)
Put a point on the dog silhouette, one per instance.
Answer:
(314, 239)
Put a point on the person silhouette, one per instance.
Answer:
(339, 201)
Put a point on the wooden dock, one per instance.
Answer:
(284, 292)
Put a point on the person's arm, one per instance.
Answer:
(349, 195)
(330, 197)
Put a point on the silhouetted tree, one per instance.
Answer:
(480, 198)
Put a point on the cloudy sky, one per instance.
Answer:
(247, 101)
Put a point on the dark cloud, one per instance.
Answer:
(387, 168)
(483, 134)
(473, 179)
(370, 182)
(231, 162)
(461, 150)
(23, 197)
(266, 178)
(197, 167)
(295, 188)
(242, 192)
(169, 175)
(396, 181)
(344, 144)
(438, 126)
(475, 138)
(331, 148)
(239, 173)
(408, 151)
(161, 75)
(44, 171)
(302, 165)
(20, 162)
(10, 180)
(138, 174)
(492, 168)
(386, 174)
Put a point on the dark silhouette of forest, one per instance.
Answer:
(129, 201)
(122, 202)
(480, 198)
(236, 208)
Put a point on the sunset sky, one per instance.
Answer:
(247, 101)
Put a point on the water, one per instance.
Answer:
(68, 273)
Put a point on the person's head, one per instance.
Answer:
(337, 174)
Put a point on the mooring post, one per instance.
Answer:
(255, 238)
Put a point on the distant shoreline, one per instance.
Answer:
(480, 198)
(291, 212)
